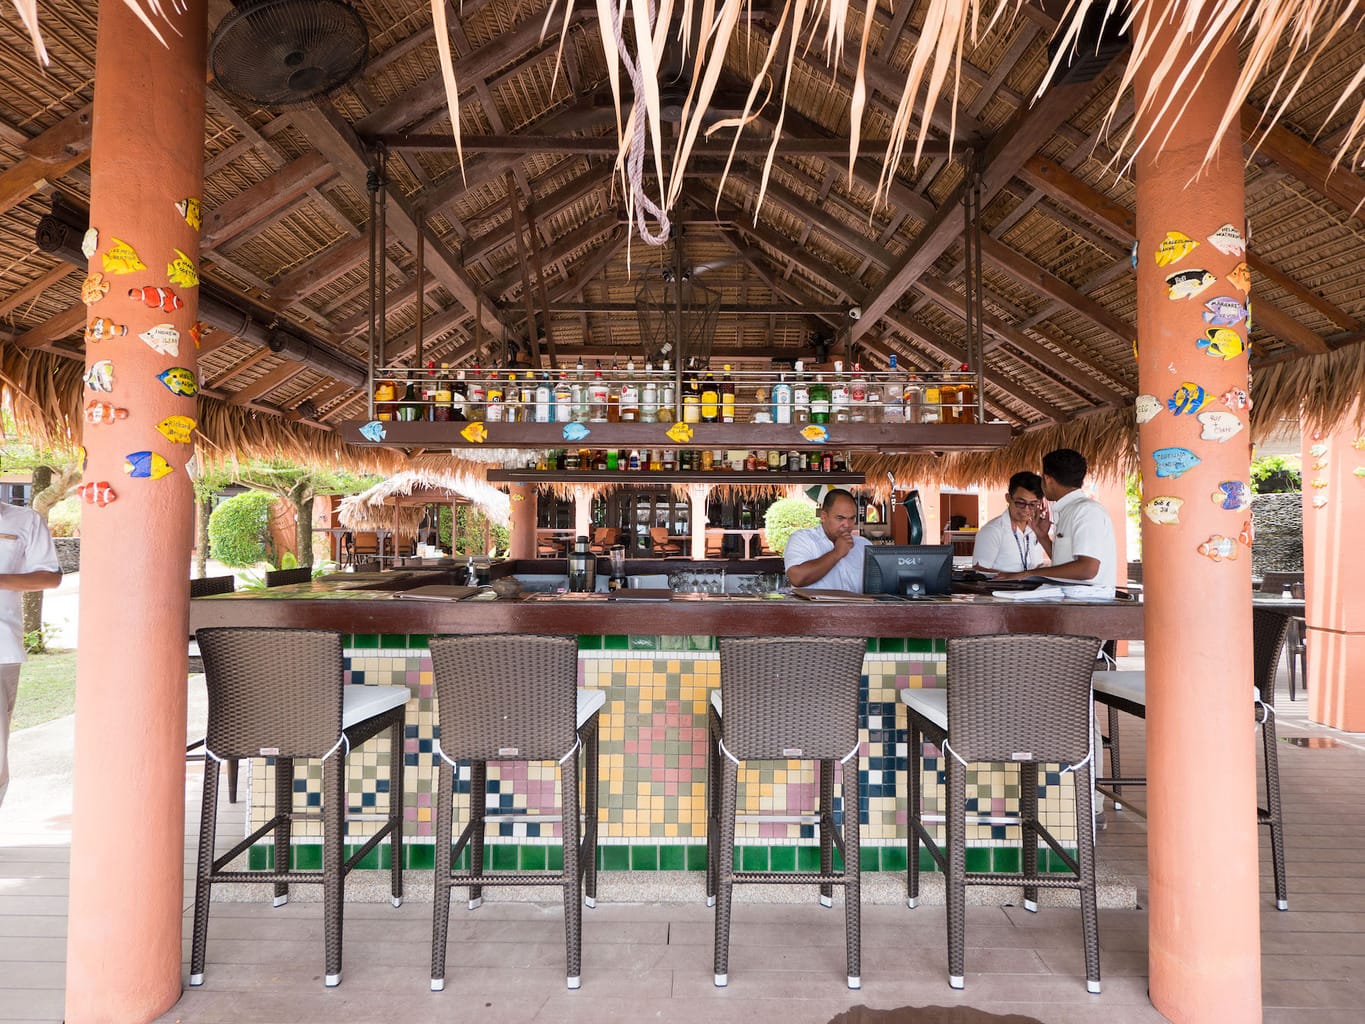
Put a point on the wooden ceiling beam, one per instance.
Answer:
(337, 259)
(49, 155)
(1306, 162)
(35, 288)
(266, 383)
(578, 237)
(265, 199)
(544, 208)
(1301, 292)
(1271, 318)
(68, 321)
(394, 301)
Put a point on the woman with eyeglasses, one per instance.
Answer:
(1018, 539)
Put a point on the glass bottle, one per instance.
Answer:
(597, 398)
(931, 412)
(442, 397)
(630, 395)
(563, 399)
(914, 400)
(819, 400)
(545, 401)
(493, 398)
(410, 408)
(947, 400)
(893, 395)
(692, 401)
(459, 399)
(649, 397)
(966, 396)
(710, 399)
(800, 395)
(782, 400)
(838, 395)
(857, 396)
(613, 396)
(385, 394)
(727, 397)
(477, 395)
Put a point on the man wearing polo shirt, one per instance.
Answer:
(1017, 540)
(828, 556)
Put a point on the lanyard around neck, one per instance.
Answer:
(1022, 546)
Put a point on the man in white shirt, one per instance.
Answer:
(828, 556)
(1016, 540)
(28, 561)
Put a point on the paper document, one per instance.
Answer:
(1048, 593)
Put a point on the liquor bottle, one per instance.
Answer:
(385, 394)
(426, 390)
(914, 400)
(597, 397)
(477, 396)
(838, 395)
(857, 396)
(727, 397)
(670, 460)
(931, 412)
(649, 397)
(442, 397)
(630, 395)
(782, 400)
(710, 399)
(493, 398)
(947, 400)
(410, 408)
(819, 400)
(874, 401)
(582, 406)
(893, 395)
(614, 395)
(527, 399)
(545, 400)
(966, 396)
(563, 399)
(692, 400)
(800, 395)
(775, 460)
(667, 394)
(459, 399)
(634, 460)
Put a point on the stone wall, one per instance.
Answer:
(1278, 520)
(68, 553)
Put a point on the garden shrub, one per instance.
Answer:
(239, 529)
(784, 517)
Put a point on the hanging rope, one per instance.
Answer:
(639, 201)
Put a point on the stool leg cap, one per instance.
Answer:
(912, 902)
(722, 980)
(438, 984)
(955, 981)
(854, 981)
(1093, 987)
(1281, 904)
(280, 900)
(590, 902)
(1031, 906)
(397, 901)
(710, 901)
(196, 979)
(575, 981)
(826, 901)
(332, 980)
(476, 904)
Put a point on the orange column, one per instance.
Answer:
(1204, 922)
(128, 844)
(523, 543)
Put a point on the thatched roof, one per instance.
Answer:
(538, 124)
(401, 499)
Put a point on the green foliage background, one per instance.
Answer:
(784, 517)
(239, 533)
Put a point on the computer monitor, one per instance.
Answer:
(911, 570)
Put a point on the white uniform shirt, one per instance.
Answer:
(25, 546)
(1002, 547)
(1083, 527)
(847, 574)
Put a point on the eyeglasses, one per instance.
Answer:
(1026, 504)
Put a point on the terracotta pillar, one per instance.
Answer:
(1334, 563)
(582, 513)
(523, 542)
(128, 844)
(1204, 919)
(696, 496)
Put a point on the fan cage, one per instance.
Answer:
(680, 314)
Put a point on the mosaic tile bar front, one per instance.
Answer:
(653, 768)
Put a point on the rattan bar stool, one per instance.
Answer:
(780, 699)
(1126, 692)
(207, 586)
(513, 698)
(1021, 698)
(280, 693)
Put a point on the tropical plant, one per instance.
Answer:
(784, 517)
(1276, 474)
(239, 529)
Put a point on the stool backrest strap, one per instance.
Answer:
(1021, 697)
(272, 692)
(790, 697)
(504, 697)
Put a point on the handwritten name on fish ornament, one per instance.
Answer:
(1174, 462)
(146, 465)
(475, 433)
(100, 376)
(94, 288)
(179, 381)
(1147, 408)
(575, 432)
(162, 338)
(181, 271)
(156, 297)
(1222, 343)
(1188, 399)
(1240, 278)
(193, 212)
(1186, 284)
(815, 432)
(1232, 495)
(1236, 398)
(1164, 509)
(122, 258)
(1174, 248)
(90, 242)
(680, 432)
(97, 413)
(102, 328)
(1229, 241)
(176, 429)
(100, 493)
(1219, 426)
(1225, 311)
(373, 431)
(1219, 548)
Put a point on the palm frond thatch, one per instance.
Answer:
(397, 501)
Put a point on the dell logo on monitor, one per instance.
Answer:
(909, 561)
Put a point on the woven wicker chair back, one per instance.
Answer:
(1020, 697)
(207, 585)
(506, 697)
(1268, 631)
(1275, 582)
(272, 692)
(787, 697)
(284, 577)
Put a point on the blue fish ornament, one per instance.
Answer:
(373, 431)
(575, 432)
(1188, 399)
(179, 381)
(1232, 495)
(1224, 311)
(1174, 462)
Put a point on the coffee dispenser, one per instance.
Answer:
(582, 568)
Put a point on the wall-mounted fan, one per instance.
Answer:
(277, 53)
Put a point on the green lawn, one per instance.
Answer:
(47, 688)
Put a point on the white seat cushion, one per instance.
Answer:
(359, 702)
(1130, 686)
(931, 705)
(716, 702)
(589, 703)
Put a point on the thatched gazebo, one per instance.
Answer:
(399, 503)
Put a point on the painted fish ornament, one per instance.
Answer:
(1358, 444)
(1174, 462)
(815, 432)
(181, 271)
(1232, 495)
(146, 465)
(83, 458)
(1225, 311)
(156, 298)
(191, 209)
(1236, 398)
(97, 412)
(179, 381)
(1240, 278)
(1174, 248)
(575, 432)
(1147, 408)
(1164, 509)
(162, 338)
(1319, 483)
(176, 429)
(1186, 284)
(1222, 343)
(94, 288)
(1229, 241)
(90, 243)
(1246, 536)
(373, 431)
(680, 432)
(1219, 426)
(197, 332)
(1219, 548)
(1320, 465)
(122, 258)
(100, 376)
(100, 493)
(102, 328)
(1188, 399)
(1318, 451)
(1320, 501)
(475, 433)
(1358, 471)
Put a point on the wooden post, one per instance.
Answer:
(523, 543)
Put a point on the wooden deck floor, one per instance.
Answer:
(653, 961)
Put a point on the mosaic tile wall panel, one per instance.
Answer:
(653, 756)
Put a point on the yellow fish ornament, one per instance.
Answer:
(181, 271)
(122, 258)
(816, 432)
(680, 432)
(1174, 248)
(191, 210)
(475, 433)
(176, 429)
